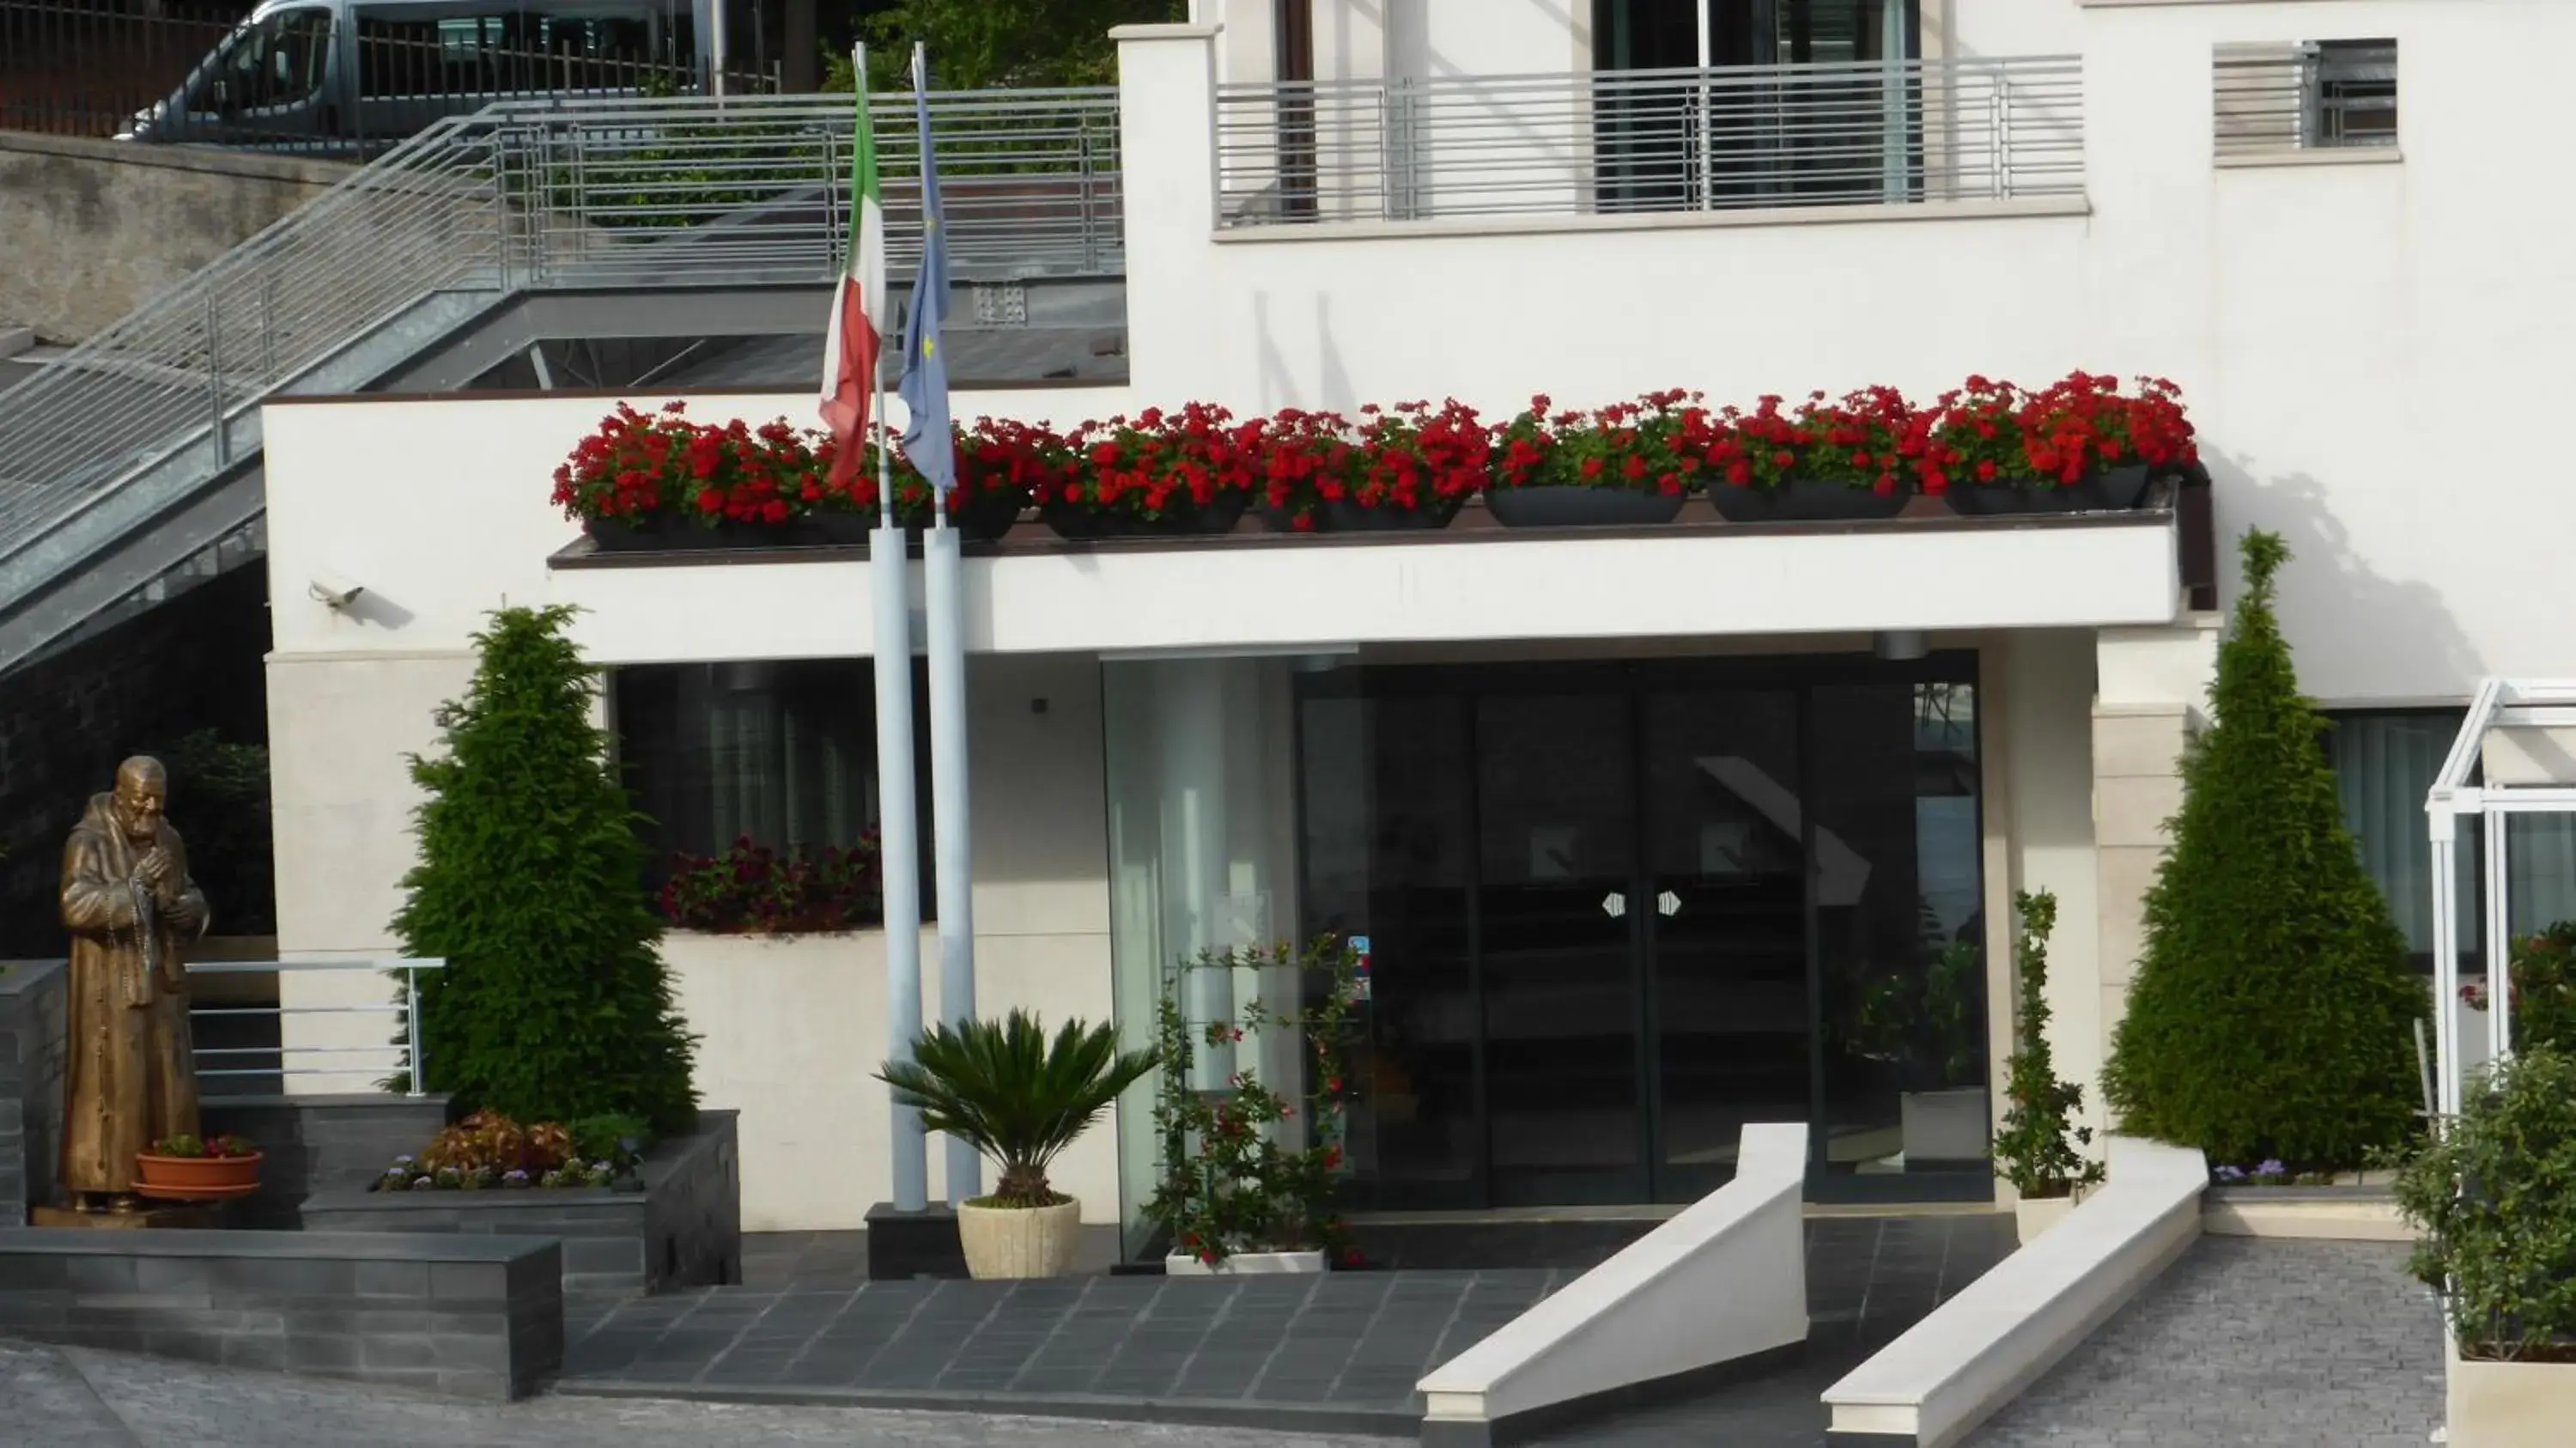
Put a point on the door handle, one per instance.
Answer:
(1668, 904)
(1614, 904)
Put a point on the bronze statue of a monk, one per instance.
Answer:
(130, 1075)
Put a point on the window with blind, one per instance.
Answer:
(2384, 762)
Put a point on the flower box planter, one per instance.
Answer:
(1244, 1264)
(1548, 505)
(1006, 1243)
(683, 1229)
(2115, 490)
(673, 535)
(196, 1178)
(2507, 1404)
(1346, 516)
(1076, 523)
(1805, 500)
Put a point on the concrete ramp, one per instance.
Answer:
(1718, 1290)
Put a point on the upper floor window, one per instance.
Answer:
(2315, 95)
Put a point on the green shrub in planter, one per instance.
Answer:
(555, 1004)
(2271, 1015)
(2493, 1200)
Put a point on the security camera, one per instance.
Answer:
(333, 590)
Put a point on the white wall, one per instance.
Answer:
(2336, 327)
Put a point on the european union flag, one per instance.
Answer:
(924, 387)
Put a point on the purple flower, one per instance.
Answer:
(422, 1184)
(514, 1178)
(2230, 1173)
(2272, 1167)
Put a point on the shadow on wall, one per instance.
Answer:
(2358, 635)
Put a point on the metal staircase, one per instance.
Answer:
(130, 465)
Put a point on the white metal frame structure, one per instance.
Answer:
(2500, 704)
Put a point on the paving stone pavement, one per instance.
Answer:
(1338, 1352)
(2250, 1343)
(77, 1398)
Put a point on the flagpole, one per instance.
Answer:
(950, 805)
(898, 837)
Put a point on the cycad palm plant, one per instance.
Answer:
(1013, 1095)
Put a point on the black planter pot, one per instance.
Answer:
(1804, 500)
(672, 535)
(1080, 524)
(2114, 490)
(1551, 506)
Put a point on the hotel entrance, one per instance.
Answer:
(1615, 911)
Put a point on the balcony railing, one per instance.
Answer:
(1868, 133)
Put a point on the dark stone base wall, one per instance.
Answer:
(320, 1144)
(32, 1026)
(196, 663)
(683, 1230)
(478, 1316)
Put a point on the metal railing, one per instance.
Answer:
(406, 1057)
(2304, 96)
(676, 192)
(1641, 141)
(82, 69)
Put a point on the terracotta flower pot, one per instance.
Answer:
(196, 1178)
(1014, 1242)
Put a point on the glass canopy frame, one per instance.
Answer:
(2500, 705)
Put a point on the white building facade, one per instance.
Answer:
(1637, 822)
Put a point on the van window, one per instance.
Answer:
(506, 50)
(277, 62)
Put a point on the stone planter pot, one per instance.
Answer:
(1244, 1264)
(1803, 500)
(2114, 490)
(196, 1178)
(1551, 506)
(1949, 1125)
(2509, 1405)
(2033, 1217)
(1013, 1242)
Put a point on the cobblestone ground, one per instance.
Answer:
(2250, 1343)
(73, 1398)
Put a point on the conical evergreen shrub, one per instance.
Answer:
(2270, 1016)
(555, 1004)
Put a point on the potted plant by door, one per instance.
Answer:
(197, 1169)
(2039, 1151)
(1621, 464)
(1020, 1100)
(1249, 1177)
(2493, 1201)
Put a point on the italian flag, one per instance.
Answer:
(851, 343)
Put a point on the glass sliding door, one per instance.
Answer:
(1557, 911)
(1900, 934)
(1618, 911)
(1725, 885)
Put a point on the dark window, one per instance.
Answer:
(784, 753)
(2385, 762)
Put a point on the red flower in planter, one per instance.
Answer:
(1656, 444)
(1159, 464)
(1992, 433)
(1871, 438)
(1302, 459)
(753, 889)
